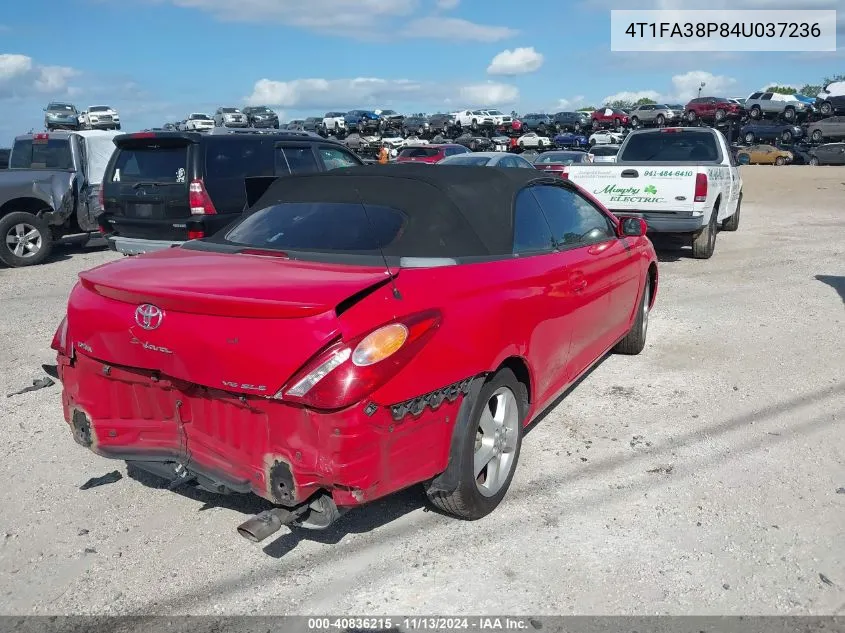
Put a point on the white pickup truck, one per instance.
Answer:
(680, 180)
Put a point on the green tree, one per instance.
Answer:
(811, 90)
(645, 101)
(783, 90)
(621, 104)
(587, 109)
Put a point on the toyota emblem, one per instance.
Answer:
(148, 316)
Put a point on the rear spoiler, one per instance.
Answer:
(257, 186)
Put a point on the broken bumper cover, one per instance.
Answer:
(236, 443)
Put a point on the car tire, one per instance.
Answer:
(704, 242)
(826, 108)
(634, 340)
(786, 137)
(17, 224)
(617, 123)
(755, 112)
(721, 115)
(743, 159)
(789, 113)
(749, 137)
(691, 116)
(635, 122)
(814, 161)
(467, 501)
(780, 160)
(817, 136)
(661, 120)
(732, 223)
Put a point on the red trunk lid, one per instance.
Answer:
(244, 323)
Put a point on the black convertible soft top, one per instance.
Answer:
(451, 210)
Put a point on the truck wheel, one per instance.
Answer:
(756, 112)
(489, 445)
(704, 243)
(789, 113)
(634, 340)
(26, 239)
(732, 223)
(826, 108)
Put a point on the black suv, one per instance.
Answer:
(572, 121)
(261, 116)
(163, 188)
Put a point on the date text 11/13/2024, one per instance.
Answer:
(481, 624)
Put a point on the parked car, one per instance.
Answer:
(658, 114)
(390, 119)
(61, 116)
(610, 116)
(532, 140)
(431, 154)
(295, 125)
(571, 121)
(801, 154)
(313, 124)
(830, 128)
(763, 155)
(359, 276)
(99, 117)
(680, 180)
(540, 123)
(555, 162)
(604, 153)
(831, 99)
(501, 143)
(474, 142)
(570, 139)
(830, 154)
(230, 117)
(441, 123)
(786, 106)
(605, 138)
(51, 190)
(362, 121)
(334, 123)
(198, 122)
(474, 119)
(164, 188)
(415, 124)
(4, 157)
(770, 131)
(261, 117)
(712, 109)
(487, 159)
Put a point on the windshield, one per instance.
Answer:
(231, 111)
(99, 109)
(262, 110)
(319, 227)
(683, 146)
(151, 163)
(466, 159)
(561, 157)
(495, 112)
(61, 107)
(200, 117)
(41, 154)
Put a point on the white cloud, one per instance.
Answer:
(684, 87)
(632, 96)
(437, 27)
(568, 105)
(20, 76)
(518, 61)
(489, 93)
(446, 5)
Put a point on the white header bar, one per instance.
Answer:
(706, 30)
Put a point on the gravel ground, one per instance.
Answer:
(700, 477)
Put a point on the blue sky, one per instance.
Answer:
(158, 60)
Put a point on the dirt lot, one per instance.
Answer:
(700, 477)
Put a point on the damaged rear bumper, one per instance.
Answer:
(227, 442)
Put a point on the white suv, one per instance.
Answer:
(99, 117)
(199, 122)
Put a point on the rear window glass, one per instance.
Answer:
(228, 159)
(49, 154)
(477, 161)
(160, 164)
(671, 146)
(319, 227)
(296, 160)
(605, 151)
(419, 152)
(555, 157)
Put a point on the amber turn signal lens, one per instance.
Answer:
(380, 344)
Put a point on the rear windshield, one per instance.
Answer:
(41, 154)
(466, 159)
(319, 227)
(151, 163)
(231, 110)
(561, 157)
(604, 151)
(419, 152)
(671, 146)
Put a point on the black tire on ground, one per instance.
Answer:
(732, 223)
(756, 112)
(749, 137)
(780, 160)
(8, 224)
(704, 243)
(817, 136)
(634, 340)
(466, 501)
(814, 161)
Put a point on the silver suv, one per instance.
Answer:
(230, 117)
(787, 106)
(658, 113)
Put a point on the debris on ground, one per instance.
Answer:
(662, 470)
(108, 478)
(840, 491)
(825, 580)
(38, 383)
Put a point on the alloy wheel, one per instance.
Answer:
(24, 240)
(495, 442)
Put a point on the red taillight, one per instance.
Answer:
(670, 130)
(701, 187)
(40, 137)
(60, 337)
(199, 200)
(101, 198)
(143, 135)
(196, 234)
(346, 372)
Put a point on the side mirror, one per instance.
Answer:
(632, 227)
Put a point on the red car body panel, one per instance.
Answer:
(239, 327)
(436, 158)
(706, 109)
(600, 117)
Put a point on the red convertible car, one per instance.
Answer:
(354, 333)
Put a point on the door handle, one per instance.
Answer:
(630, 173)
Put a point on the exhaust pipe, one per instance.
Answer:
(265, 523)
